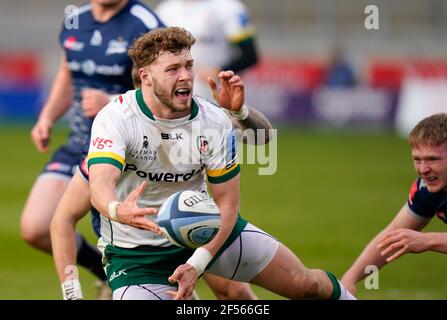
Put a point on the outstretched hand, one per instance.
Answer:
(401, 241)
(186, 277)
(130, 213)
(230, 95)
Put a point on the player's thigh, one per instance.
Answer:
(144, 292)
(247, 256)
(284, 269)
(42, 202)
(49, 188)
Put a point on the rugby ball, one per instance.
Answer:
(189, 219)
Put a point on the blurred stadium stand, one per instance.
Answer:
(296, 39)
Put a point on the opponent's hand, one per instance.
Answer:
(401, 241)
(41, 135)
(186, 277)
(130, 213)
(93, 100)
(231, 93)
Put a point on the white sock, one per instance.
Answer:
(345, 294)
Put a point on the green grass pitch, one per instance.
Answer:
(331, 193)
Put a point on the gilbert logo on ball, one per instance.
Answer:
(189, 219)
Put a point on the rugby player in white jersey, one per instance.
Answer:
(224, 32)
(75, 204)
(137, 160)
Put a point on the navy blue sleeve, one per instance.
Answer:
(421, 201)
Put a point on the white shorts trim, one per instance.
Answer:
(144, 292)
(54, 175)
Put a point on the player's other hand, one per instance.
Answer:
(231, 93)
(41, 134)
(93, 100)
(186, 277)
(130, 213)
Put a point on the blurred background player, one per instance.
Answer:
(224, 32)
(94, 65)
(428, 197)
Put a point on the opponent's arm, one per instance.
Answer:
(59, 101)
(371, 255)
(74, 205)
(242, 116)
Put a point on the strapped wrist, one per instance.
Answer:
(71, 290)
(242, 114)
(200, 259)
(113, 210)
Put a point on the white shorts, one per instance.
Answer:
(247, 256)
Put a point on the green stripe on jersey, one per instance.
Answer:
(228, 176)
(111, 161)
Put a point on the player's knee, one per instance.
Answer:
(305, 286)
(236, 291)
(33, 235)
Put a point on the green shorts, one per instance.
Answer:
(149, 264)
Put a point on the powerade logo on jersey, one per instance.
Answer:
(162, 176)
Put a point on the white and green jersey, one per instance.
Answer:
(171, 155)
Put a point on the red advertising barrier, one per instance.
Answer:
(19, 70)
(20, 85)
(390, 74)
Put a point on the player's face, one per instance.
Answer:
(172, 80)
(431, 165)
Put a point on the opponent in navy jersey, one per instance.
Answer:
(96, 55)
(428, 197)
(95, 38)
(427, 204)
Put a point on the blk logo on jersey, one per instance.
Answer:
(172, 136)
(101, 143)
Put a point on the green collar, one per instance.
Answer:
(145, 109)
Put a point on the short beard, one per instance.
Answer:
(165, 98)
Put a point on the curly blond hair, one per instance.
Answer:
(148, 47)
